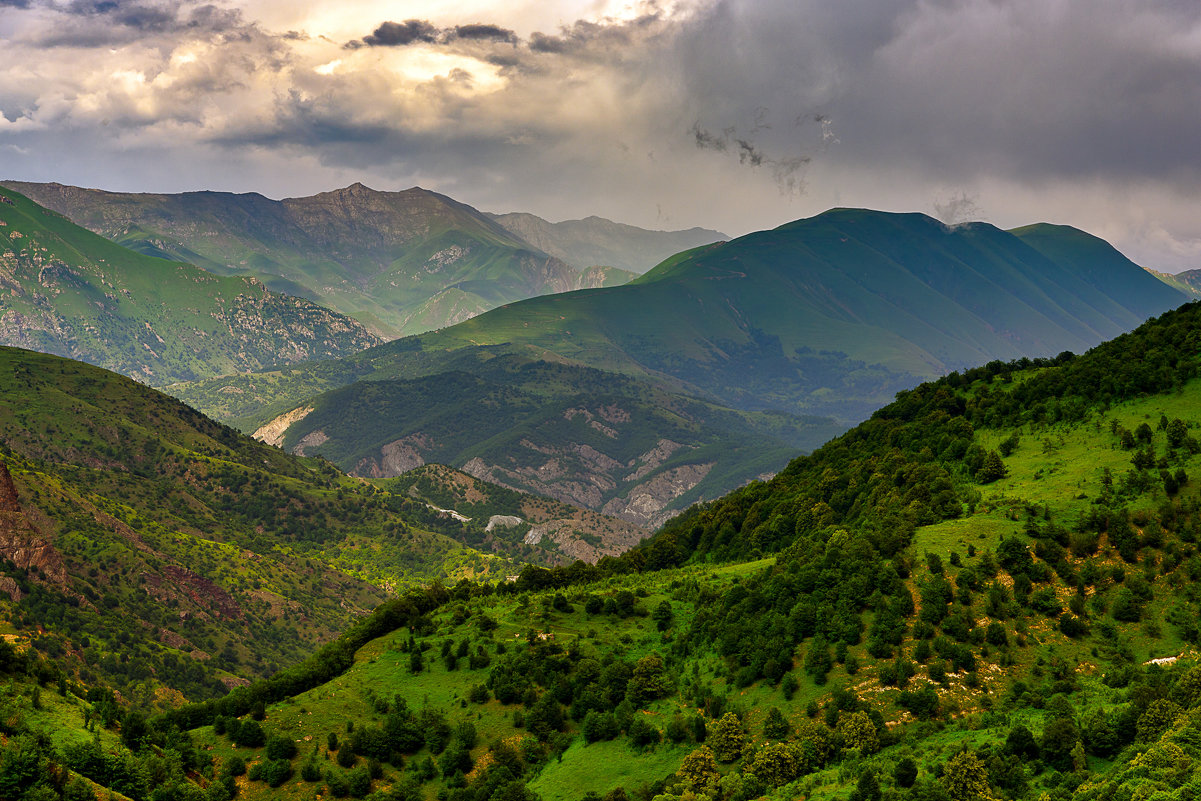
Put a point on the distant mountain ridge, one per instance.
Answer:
(1188, 282)
(400, 262)
(833, 314)
(597, 241)
(70, 292)
(772, 340)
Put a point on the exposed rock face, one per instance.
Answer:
(644, 505)
(311, 440)
(582, 475)
(502, 520)
(21, 540)
(396, 458)
(176, 582)
(273, 433)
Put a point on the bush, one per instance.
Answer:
(280, 748)
(642, 733)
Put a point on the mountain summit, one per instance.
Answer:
(401, 262)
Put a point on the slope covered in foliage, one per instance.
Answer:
(401, 262)
(165, 554)
(988, 591)
(70, 292)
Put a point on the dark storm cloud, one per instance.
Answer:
(420, 31)
(1022, 88)
(482, 32)
(398, 34)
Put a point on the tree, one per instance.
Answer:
(727, 738)
(133, 729)
(699, 770)
(817, 660)
(858, 731)
(663, 615)
(905, 773)
(775, 726)
(648, 681)
(1160, 714)
(965, 778)
(776, 764)
(642, 733)
(992, 469)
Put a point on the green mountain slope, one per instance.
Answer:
(1188, 282)
(831, 315)
(71, 292)
(402, 262)
(934, 620)
(133, 525)
(596, 241)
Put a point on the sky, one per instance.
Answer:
(735, 115)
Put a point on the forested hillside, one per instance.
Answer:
(986, 591)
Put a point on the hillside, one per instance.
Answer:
(1188, 282)
(746, 327)
(834, 314)
(602, 441)
(597, 241)
(830, 315)
(164, 553)
(532, 528)
(70, 292)
(984, 592)
(401, 262)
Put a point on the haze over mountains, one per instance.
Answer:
(67, 291)
(400, 262)
(773, 340)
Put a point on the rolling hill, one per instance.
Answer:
(167, 556)
(401, 262)
(827, 317)
(986, 591)
(68, 291)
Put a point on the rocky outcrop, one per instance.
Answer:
(178, 583)
(644, 505)
(396, 458)
(273, 433)
(313, 439)
(22, 541)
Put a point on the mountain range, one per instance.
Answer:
(68, 291)
(986, 591)
(400, 262)
(706, 371)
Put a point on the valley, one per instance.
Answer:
(471, 563)
(948, 596)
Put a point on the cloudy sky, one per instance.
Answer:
(729, 114)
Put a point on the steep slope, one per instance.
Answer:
(71, 292)
(926, 627)
(1188, 282)
(597, 241)
(402, 262)
(168, 554)
(599, 440)
(516, 524)
(831, 315)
